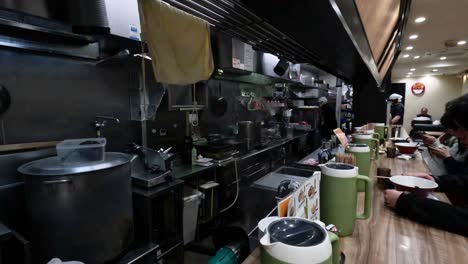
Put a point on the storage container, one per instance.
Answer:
(192, 200)
(209, 204)
(81, 150)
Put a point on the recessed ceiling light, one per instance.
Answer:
(414, 36)
(434, 70)
(416, 57)
(409, 48)
(443, 58)
(405, 55)
(420, 19)
(409, 73)
(461, 42)
(412, 69)
(407, 76)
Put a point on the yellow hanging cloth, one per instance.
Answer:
(178, 42)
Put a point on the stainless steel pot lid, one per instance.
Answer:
(296, 232)
(53, 166)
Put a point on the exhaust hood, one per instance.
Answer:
(87, 28)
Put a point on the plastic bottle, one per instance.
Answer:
(194, 155)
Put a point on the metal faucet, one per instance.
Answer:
(100, 121)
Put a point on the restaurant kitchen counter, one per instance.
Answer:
(189, 170)
(387, 237)
(184, 171)
(274, 144)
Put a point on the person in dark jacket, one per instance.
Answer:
(424, 113)
(328, 118)
(436, 213)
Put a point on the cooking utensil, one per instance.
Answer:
(299, 240)
(413, 184)
(76, 209)
(219, 106)
(407, 148)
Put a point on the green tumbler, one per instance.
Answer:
(371, 140)
(338, 196)
(382, 130)
(363, 160)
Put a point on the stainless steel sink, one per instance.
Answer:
(273, 179)
(294, 172)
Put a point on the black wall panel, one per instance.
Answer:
(55, 98)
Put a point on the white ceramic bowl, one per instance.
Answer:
(413, 184)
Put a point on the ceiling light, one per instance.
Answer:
(443, 58)
(461, 42)
(409, 73)
(407, 76)
(414, 36)
(412, 69)
(406, 56)
(420, 19)
(409, 48)
(434, 70)
(416, 57)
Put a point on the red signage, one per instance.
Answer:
(418, 88)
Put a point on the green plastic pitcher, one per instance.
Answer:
(338, 196)
(382, 130)
(299, 240)
(371, 140)
(363, 160)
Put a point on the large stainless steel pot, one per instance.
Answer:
(79, 212)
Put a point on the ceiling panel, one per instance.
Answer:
(445, 20)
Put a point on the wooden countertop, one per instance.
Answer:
(389, 238)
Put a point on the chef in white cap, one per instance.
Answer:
(397, 110)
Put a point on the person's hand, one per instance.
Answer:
(391, 197)
(420, 175)
(440, 152)
(428, 140)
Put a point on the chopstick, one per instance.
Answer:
(382, 177)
